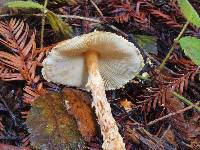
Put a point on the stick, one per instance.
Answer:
(43, 23)
(186, 101)
(173, 46)
(171, 114)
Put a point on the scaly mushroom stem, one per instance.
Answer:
(109, 129)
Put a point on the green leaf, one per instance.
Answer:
(148, 43)
(189, 12)
(191, 48)
(58, 25)
(24, 4)
(51, 126)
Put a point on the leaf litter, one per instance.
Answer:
(158, 23)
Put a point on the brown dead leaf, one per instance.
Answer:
(170, 137)
(80, 108)
(51, 126)
(127, 105)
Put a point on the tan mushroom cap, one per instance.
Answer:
(118, 60)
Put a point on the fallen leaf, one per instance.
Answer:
(79, 106)
(127, 105)
(170, 137)
(51, 126)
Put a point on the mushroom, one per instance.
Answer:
(97, 61)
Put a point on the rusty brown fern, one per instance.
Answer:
(21, 59)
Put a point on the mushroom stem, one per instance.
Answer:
(109, 129)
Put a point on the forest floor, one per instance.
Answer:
(149, 114)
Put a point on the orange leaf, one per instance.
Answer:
(80, 108)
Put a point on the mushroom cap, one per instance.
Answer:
(118, 60)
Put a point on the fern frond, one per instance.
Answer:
(168, 83)
(23, 59)
(184, 73)
(15, 36)
(31, 93)
(10, 60)
(7, 74)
